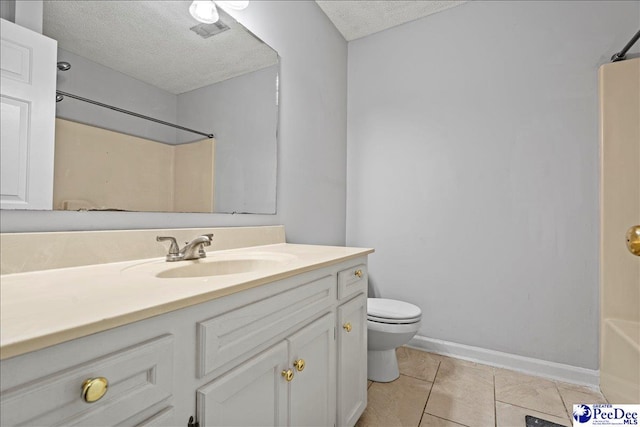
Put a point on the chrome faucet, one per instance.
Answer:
(192, 250)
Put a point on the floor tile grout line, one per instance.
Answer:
(424, 409)
(409, 376)
(474, 367)
(445, 419)
(530, 409)
(576, 388)
(433, 383)
(563, 402)
(418, 378)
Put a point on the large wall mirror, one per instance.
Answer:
(154, 59)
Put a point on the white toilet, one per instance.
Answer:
(390, 324)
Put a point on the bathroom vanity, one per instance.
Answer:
(262, 335)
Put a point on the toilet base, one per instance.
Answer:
(382, 366)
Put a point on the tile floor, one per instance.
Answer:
(436, 390)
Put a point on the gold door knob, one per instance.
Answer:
(358, 273)
(633, 240)
(94, 389)
(299, 365)
(288, 375)
(347, 327)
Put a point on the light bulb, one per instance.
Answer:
(204, 11)
(235, 5)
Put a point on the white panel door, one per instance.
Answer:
(312, 390)
(253, 394)
(27, 101)
(352, 356)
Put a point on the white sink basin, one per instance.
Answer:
(203, 268)
(217, 265)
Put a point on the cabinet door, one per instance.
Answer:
(27, 100)
(253, 394)
(352, 360)
(312, 390)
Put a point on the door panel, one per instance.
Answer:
(352, 357)
(312, 399)
(28, 86)
(253, 394)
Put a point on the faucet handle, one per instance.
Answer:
(209, 236)
(202, 252)
(174, 249)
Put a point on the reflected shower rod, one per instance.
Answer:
(620, 56)
(131, 113)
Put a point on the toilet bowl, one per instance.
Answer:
(390, 324)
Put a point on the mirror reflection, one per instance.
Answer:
(154, 59)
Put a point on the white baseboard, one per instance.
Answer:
(528, 365)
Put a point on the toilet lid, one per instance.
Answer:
(379, 309)
(393, 321)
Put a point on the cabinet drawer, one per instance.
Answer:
(352, 281)
(234, 334)
(139, 377)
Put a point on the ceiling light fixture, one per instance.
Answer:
(205, 10)
(235, 5)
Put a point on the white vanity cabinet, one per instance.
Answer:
(290, 352)
(292, 383)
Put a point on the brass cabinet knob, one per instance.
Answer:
(288, 375)
(633, 240)
(358, 273)
(347, 327)
(94, 389)
(299, 365)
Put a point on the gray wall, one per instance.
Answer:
(312, 143)
(473, 170)
(243, 113)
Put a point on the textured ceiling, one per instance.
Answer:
(152, 41)
(359, 18)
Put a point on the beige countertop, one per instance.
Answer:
(43, 308)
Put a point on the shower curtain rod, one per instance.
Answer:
(131, 113)
(622, 54)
